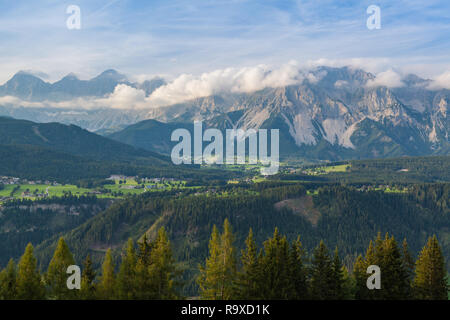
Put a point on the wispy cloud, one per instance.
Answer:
(197, 36)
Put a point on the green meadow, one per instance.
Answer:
(328, 169)
(117, 190)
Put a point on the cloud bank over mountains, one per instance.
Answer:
(388, 78)
(185, 87)
(441, 82)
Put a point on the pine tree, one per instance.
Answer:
(144, 288)
(126, 279)
(144, 249)
(430, 280)
(29, 282)
(408, 260)
(374, 256)
(297, 272)
(56, 277)
(88, 288)
(394, 276)
(107, 285)
(248, 278)
(163, 270)
(338, 277)
(408, 265)
(322, 281)
(348, 286)
(275, 269)
(8, 281)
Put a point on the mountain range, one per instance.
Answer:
(334, 115)
(26, 86)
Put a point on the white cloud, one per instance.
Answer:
(230, 80)
(10, 101)
(125, 97)
(389, 78)
(442, 81)
(341, 83)
(222, 81)
(185, 87)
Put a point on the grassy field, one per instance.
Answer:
(393, 190)
(328, 169)
(117, 190)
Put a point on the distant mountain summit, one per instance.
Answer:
(333, 114)
(25, 86)
(29, 87)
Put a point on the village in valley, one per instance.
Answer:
(120, 186)
(116, 186)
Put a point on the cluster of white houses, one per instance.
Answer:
(9, 180)
(119, 177)
(13, 180)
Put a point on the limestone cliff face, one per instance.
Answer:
(332, 114)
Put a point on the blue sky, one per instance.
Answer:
(145, 38)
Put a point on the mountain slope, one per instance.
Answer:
(70, 139)
(337, 116)
(150, 135)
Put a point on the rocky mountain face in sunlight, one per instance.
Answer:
(334, 115)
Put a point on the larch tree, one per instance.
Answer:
(126, 278)
(107, 285)
(29, 281)
(163, 270)
(56, 277)
(228, 261)
(209, 278)
(217, 278)
(360, 279)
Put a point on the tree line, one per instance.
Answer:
(280, 270)
(283, 270)
(146, 272)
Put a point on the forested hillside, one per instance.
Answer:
(25, 221)
(341, 216)
(280, 270)
(33, 162)
(70, 139)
